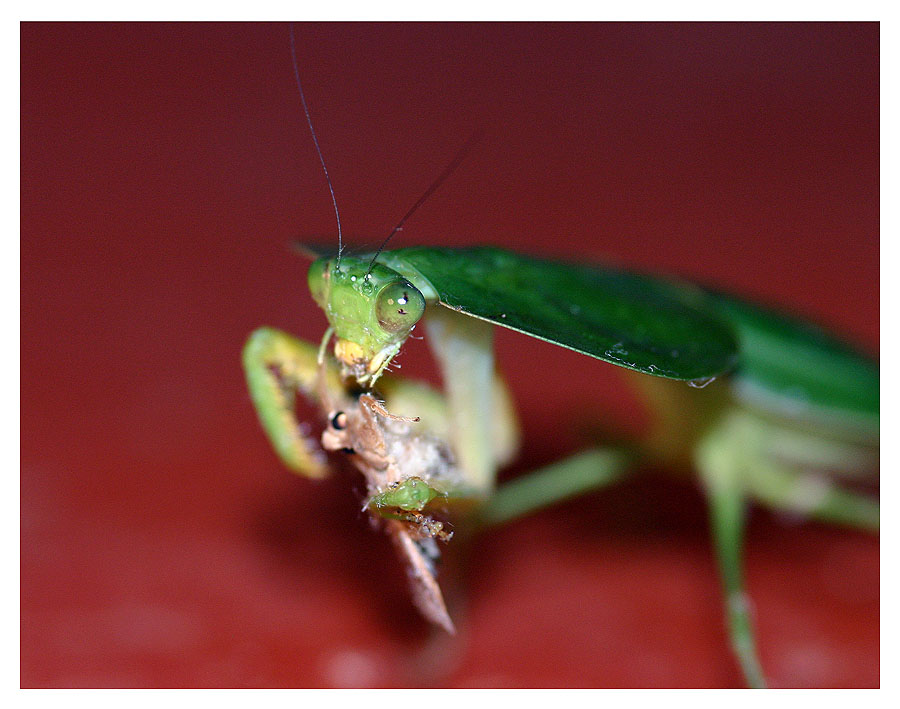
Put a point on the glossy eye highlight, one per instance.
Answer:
(399, 306)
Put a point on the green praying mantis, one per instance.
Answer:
(790, 414)
(763, 407)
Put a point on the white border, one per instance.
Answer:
(356, 10)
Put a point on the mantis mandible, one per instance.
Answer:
(788, 416)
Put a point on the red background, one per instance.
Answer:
(166, 167)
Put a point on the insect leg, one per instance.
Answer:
(782, 487)
(586, 471)
(277, 365)
(719, 463)
(463, 347)
(798, 469)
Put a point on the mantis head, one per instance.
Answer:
(371, 308)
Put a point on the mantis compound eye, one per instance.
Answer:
(399, 306)
(317, 278)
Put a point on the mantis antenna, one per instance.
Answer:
(458, 158)
(316, 143)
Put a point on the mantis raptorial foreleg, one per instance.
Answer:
(464, 349)
(277, 366)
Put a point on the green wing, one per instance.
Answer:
(794, 367)
(641, 323)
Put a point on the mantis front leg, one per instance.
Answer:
(277, 366)
(464, 349)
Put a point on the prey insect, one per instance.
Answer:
(763, 407)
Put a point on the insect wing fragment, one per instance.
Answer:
(420, 556)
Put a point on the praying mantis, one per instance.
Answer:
(779, 413)
(763, 407)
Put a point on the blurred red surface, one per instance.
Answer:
(165, 168)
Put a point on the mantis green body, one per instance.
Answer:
(791, 410)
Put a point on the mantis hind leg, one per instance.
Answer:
(816, 496)
(720, 471)
(745, 457)
(787, 474)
